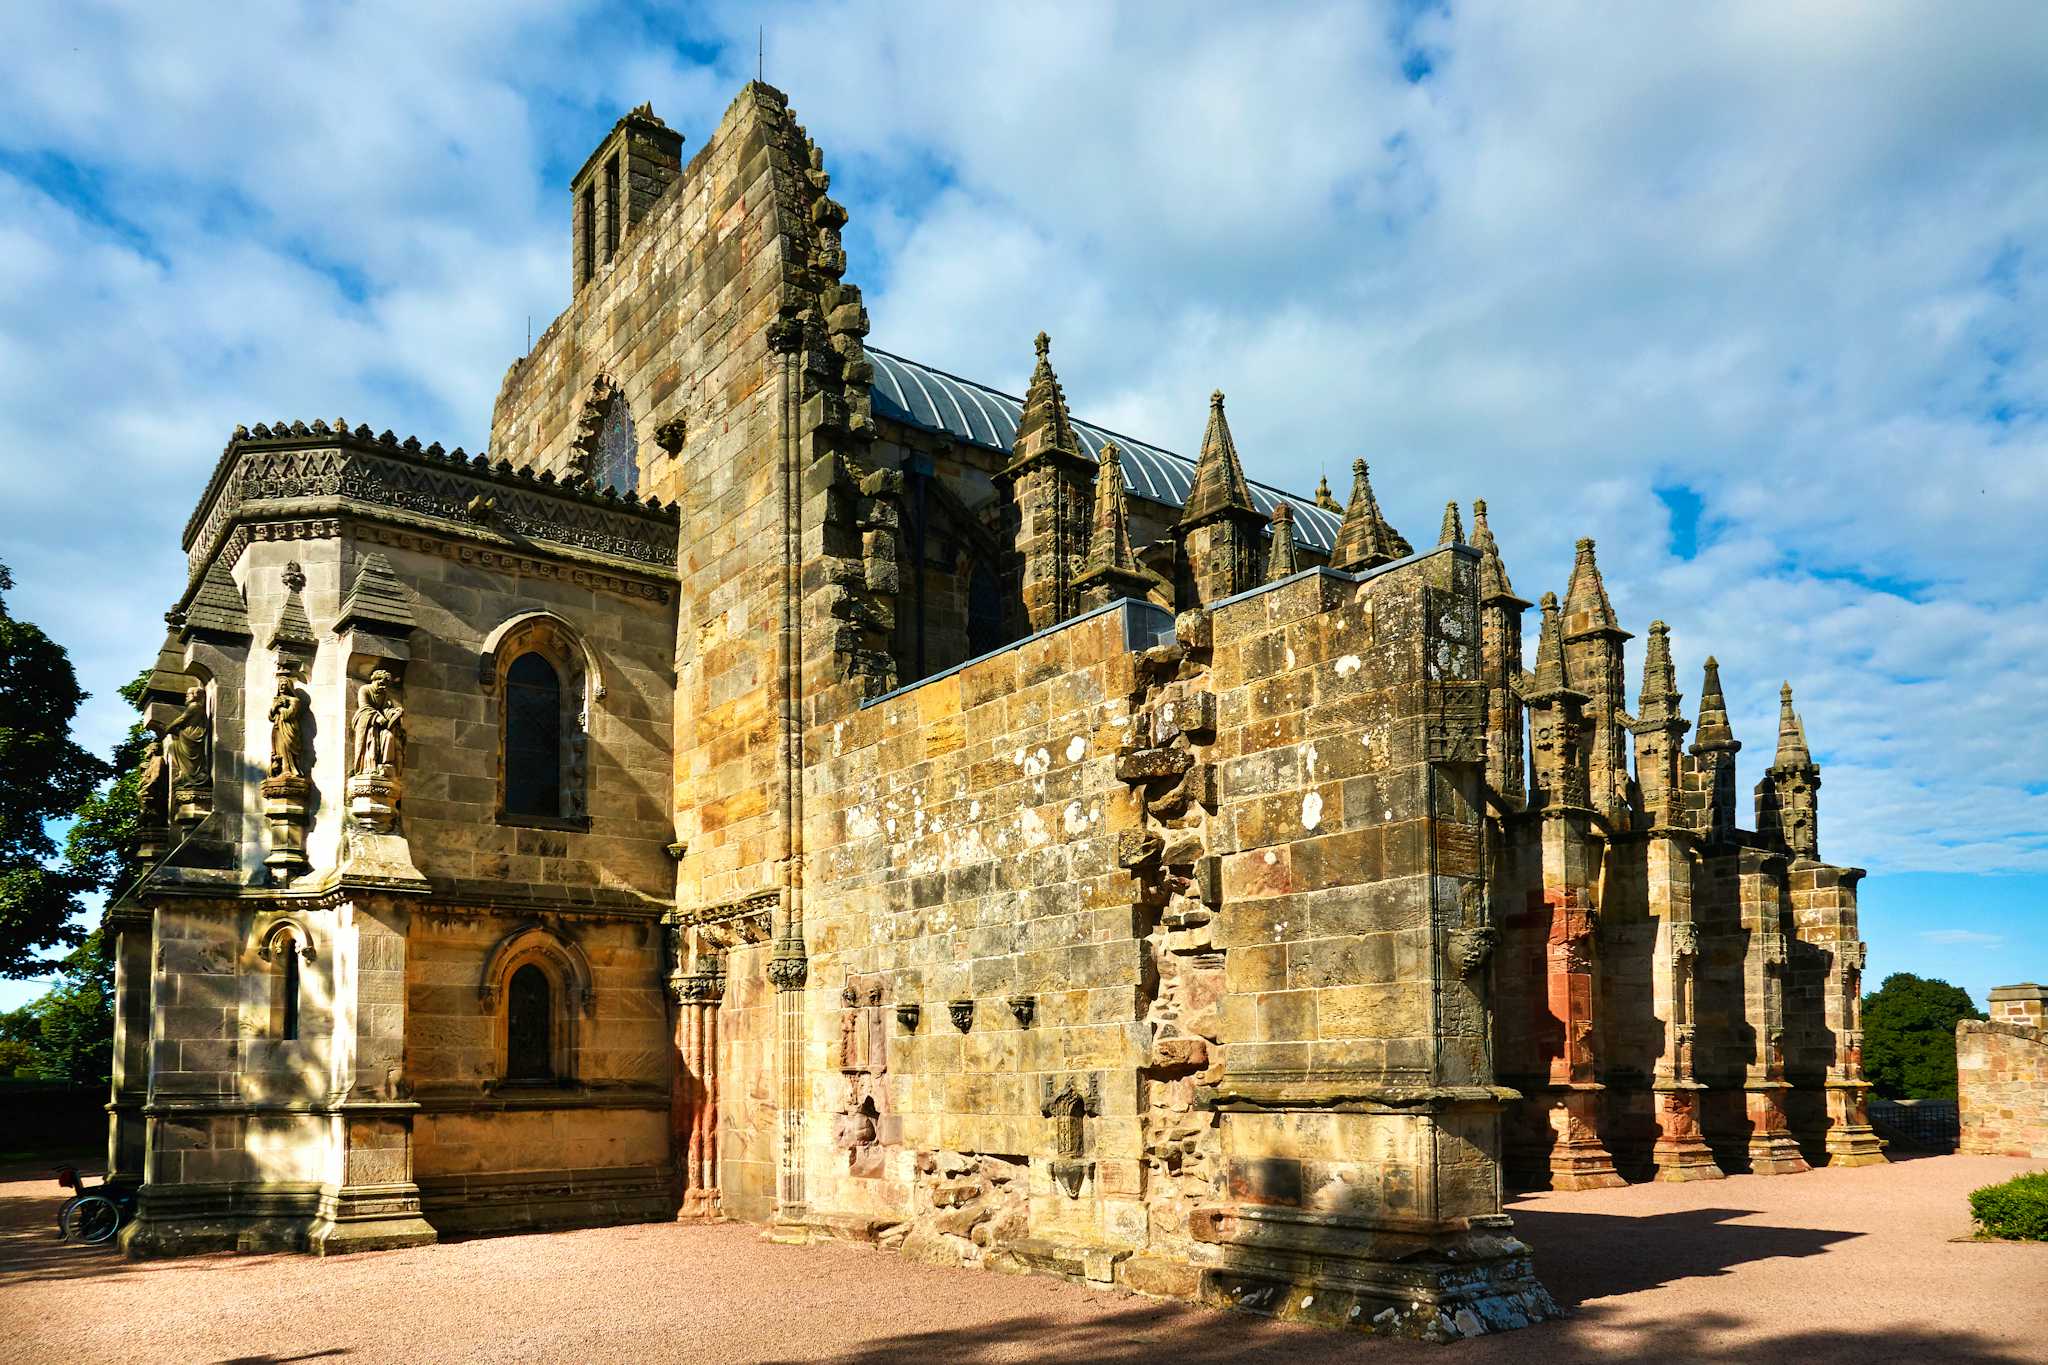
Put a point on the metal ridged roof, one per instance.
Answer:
(920, 396)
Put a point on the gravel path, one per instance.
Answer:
(1852, 1266)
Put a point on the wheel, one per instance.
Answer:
(64, 1217)
(95, 1219)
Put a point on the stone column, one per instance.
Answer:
(1681, 1151)
(368, 1199)
(130, 928)
(1772, 1148)
(1579, 1159)
(698, 996)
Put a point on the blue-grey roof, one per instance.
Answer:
(920, 396)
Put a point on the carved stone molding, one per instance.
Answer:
(524, 506)
(1470, 948)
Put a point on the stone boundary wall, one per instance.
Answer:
(2002, 1076)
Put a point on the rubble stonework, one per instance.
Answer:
(874, 806)
(2002, 1075)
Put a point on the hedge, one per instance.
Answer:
(2016, 1209)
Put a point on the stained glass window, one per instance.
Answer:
(533, 737)
(618, 450)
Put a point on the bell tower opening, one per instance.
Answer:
(618, 187)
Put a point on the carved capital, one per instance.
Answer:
(962, 1012)
(788, 972)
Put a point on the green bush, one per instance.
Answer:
(2016, 1209)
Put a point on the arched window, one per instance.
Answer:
(618, 450)
(533, 737)
(984, 612)
(529, 1024)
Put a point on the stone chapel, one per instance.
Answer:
(781, 781)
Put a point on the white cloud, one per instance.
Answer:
(1791, 260)
(1961, 936)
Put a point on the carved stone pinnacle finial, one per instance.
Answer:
(1043, 343)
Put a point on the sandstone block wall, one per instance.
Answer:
(2002, 1075)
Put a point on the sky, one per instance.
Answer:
(1754, 294)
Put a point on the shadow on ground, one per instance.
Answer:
(1191, 1338)
(1619, 1255)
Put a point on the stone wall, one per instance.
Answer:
(1149, 952)
(2002, 1075)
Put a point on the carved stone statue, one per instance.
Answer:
(377, 739)
(187, 744)
(287, 729)
(151, 790)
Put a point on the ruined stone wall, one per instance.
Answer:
(1126, 944)
(2002, 1075)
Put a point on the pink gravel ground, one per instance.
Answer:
(1845, 1265)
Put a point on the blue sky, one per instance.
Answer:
(1751, 293)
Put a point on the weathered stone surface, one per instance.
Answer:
(807, 813)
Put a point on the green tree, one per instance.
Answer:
(20, 1031)
(75, 1018)
(1909, 1036)
(47, 776)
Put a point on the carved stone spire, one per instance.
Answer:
(1586, 608)
(1788, 797)
(293, 633)
(1551, 680)
(1493, 574)
(1557, 770)
(1221, 529)
(1281, 561)
(1658, 701)
(1792, 750)
(1500, 635)
(1714, 747)
(1713, 731)
(1452, 532)
(1052, 493)
(1219, 486)
(1593, 659)
(1365, 539)
(1324, 499)
(1659, 728)
(1112, 569)
(1045, 424)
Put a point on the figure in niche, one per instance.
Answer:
(287, 729)
(378, 736)
(186, 741)
(150, 788)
